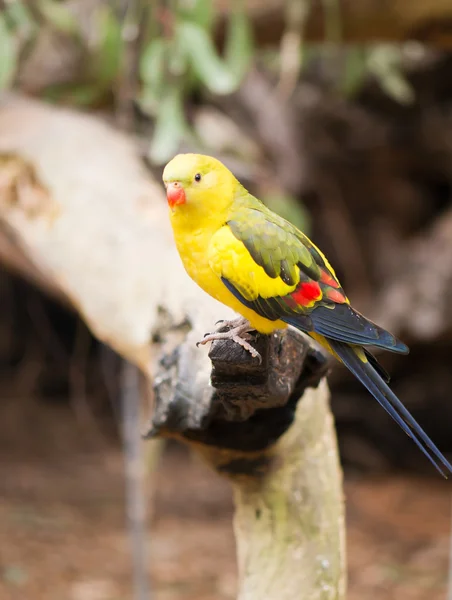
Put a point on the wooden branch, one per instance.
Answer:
(83, 220)
(363, 21)
(270, 432)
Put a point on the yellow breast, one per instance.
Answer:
(194, 246)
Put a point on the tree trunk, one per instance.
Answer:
(289, 525)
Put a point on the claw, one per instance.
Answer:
(242, 341)
(239, 333)
(203, 341)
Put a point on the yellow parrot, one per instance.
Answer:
(268, 271)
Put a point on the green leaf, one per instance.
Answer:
(397, 87)
(58, 15)
(79, 94)
(178, 63)
(152, 63)
(202, 13)
(20, 16)
(205, 62)
(239, 44)
(148, 100)
(107, 59)
(152, 74)
(8, 55)
(198, 11)
(355, 70)
(385, 64)
(170, 127)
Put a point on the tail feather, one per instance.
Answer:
(376, 365)
(369, 377)
(345, 324)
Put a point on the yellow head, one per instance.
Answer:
(197, 185)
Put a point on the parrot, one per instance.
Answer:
(270, 273)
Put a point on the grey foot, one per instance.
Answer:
(233, 323)
(239, 333)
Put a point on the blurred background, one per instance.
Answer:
(338, 115)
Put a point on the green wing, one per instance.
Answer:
(278, 247)
(317, 303)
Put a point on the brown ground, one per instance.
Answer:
(62, 522)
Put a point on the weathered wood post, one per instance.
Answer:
(269, 429)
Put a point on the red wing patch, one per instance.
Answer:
(328, 279)
(335, 296)
(306, 293)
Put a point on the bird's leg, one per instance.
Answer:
(232, 323)
(239, 333)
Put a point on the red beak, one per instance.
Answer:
(175, 194)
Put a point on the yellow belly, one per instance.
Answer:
(193, 251)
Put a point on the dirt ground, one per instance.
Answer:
(62, 533)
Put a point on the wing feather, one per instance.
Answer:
(269, 244)
(270, 270)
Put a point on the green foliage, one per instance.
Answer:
(17, 27)
(103, 60)
(208, 67)
(177, 56)
(385, 63)
(57, 15)
(8, 54)
(152, 71)
(184, 59)
(239, 45)
(108, 56)
(354, 71)
(170, 126)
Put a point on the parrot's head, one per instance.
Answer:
(198, 184)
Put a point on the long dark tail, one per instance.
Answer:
(369, 377)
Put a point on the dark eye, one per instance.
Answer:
(198, 177)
